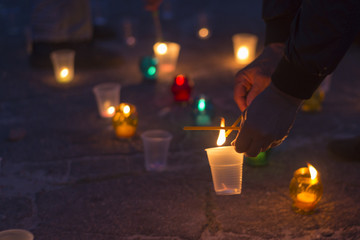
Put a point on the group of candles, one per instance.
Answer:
(305, 187)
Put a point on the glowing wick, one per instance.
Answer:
(110, 110)
(203, 33)
(64, 72)
(243, 53)
(221, 139)
(161, 48)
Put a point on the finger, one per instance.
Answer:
(240, 93)
(243, 141)
(254, 149)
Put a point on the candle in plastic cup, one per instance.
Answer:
(16, 234)
(107, 98)
(156, 148)
(244, 47)
(63, 63)
(167, 54)
(226, 169)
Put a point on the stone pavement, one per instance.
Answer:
(68, 177)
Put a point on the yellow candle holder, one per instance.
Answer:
(305, 190)
(125, 120)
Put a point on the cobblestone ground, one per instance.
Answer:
(64, 174)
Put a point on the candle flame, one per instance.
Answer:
(221, 139)
(64, 72)
(243, 53)
(313, 172)
(126, 109)
(110, 110)
(161, 48)
(203, 33)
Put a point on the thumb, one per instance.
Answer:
(252, 94)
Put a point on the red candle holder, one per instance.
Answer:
(181, 88)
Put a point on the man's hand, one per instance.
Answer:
(254, 78)
(267, 121)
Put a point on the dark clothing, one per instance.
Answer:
(317, 35)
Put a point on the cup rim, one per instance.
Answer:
(219, 148)
(106, 86)
(167, 135)
(22, 232)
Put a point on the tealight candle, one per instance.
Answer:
(226, 166)
(63, 63)
(203, 111)
(125, 120)
(305, 189)
(244, 47)
(167, 54)
(107, 97)
(203, 27)
(181, 88)
(148, 67)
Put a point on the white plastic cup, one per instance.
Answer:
(107, 97)
(16, 234)
(167, 54)
(156, 148)
(226, 169)
(63, 63)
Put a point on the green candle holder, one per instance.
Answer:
(259, 160)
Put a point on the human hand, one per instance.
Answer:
(266, 122)
(152, 5)
(254, 78)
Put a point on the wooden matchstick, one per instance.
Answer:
(192, 128)
(234, 125)
(157, 24)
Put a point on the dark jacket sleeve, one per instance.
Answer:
(320, 35)
(278, 15)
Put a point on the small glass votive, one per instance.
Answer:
(258, 161)
(305, 190)
(63, 63)
(181, 88)
(314, 104)
(226, 168)
(244, 47)
(125, 120)
(107, 98)
(148, 67)
(167, 54)
(203, 111)
(156, 148)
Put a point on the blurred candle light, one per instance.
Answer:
(125, 120)
(203, 31)
(107, 96)
(221, 139)
(167, 54)
(181, 88)
(203, 110)
(148, 67)
(63, 63)
(244, 47)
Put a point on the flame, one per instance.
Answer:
(161, 48)
(221, 139)
(64, 72)
(203, 33)
(313, 172)
(110, 110)
(126, 110)
(243, 53)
